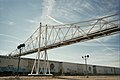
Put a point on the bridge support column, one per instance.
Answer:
(41, 64)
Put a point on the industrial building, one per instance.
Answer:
(8, 66)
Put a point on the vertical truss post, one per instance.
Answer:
(45, 58)
(37, 60)
(42, 67)
(38, 64)
(46, 64)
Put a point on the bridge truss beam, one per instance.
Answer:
(50, 37)
(62, 35)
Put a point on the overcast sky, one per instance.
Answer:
(20, 18)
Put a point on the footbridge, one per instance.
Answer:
(51, 37)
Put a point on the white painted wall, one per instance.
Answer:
(69, 67)
(56, 66)
(66, 67)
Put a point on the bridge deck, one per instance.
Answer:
(90, 36)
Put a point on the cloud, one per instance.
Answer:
(31, 21)
(13, 42)
(105, 46)
(48, 7)
(55, 20)
(11, 23)
(10, 36)
(107, 59)
(2, 52)
(47, 10)
(111, 37)
(33, 5)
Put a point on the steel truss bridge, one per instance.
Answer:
(50, 37)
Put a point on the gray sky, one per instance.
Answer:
(20, 18)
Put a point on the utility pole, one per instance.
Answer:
(85, 58)
(20, 48)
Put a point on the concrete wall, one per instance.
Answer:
(80, 68)
(55, 67)
(11, 64)
(105, 70)
(116, 70)
(90, 69)
(69, 68)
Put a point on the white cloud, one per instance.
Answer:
(47, 10)
(2, 52)
(31, 21)
(10, 36)
(106, 59)
(11, 23)
(105, 46)
(55, 20)
(32, 5)
(48, 7)
(13, 42)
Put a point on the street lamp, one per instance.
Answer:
(85, 58)
(20, 48)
